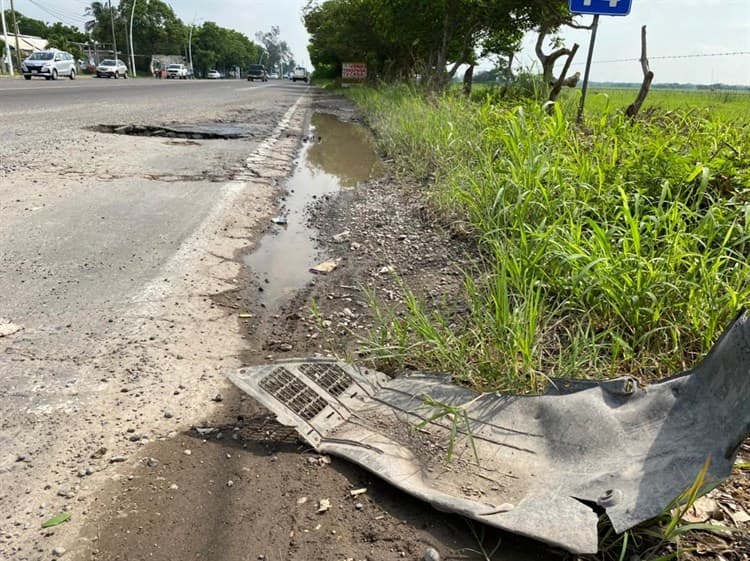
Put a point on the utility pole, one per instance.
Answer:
(132, 49)
(8, 60)
(112, 19)
(15, 29)
(190, 48)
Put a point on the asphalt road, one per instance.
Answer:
(92, 225)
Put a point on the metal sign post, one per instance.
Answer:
(596, 8)
(585, 86)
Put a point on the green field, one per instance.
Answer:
(725, 104)
(611, 248)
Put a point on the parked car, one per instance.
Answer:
(49, 64)
(177, 71)
(213, 75)
(111, 68)
(257, 72)
(273, 76)
(300, 73)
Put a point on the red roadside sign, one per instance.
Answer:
(353, 71)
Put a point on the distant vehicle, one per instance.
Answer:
(177, 71)
(300, 73)
(273, 76)
(49, 64)
(111, 68)
(257, 72)
(213, 75)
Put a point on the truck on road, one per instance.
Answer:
(178, 71)
(300, 73)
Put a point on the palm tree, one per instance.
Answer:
(97, 11)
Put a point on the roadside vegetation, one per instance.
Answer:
(614, 248)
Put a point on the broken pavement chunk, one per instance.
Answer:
(8, 328)
(325, 267)
(542, 460)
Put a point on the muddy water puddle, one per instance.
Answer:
(337, 156)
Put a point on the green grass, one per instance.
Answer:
(724, 104)
(613, 248)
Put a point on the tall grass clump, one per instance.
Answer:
(615, 248)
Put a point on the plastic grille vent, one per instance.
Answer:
(290, 391)
(330, 377)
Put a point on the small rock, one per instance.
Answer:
(99, 453)
(117, 459)
(152, 462)
(431, 554)
(58, 552)
(342, 237)
(324, 505)
(168, 414)
(230, 483)
(65, 492)
(174, 486)
(8, 328)
(217, 398)
(359, 506)
(187, 452)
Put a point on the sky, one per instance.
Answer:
(675, 28)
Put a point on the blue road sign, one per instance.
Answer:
(601, 7)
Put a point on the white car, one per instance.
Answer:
(111, 68)
(49, 64)
(177, 71)
(213, 75)
(300, 73)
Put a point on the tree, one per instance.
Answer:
(96, 11)
(156, 28)
(551, 17)
(217, 47)
(431, 39)
(277, 51)
(58, 35)
(64, 37)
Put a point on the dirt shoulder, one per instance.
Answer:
(233, 484)
(243, 487)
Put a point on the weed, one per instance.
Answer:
(619, 248)
(456, 416)
(480, 537)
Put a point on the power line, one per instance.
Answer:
(63, 17)
(669, 57)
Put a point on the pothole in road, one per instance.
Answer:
(208, 131)
(338, 156)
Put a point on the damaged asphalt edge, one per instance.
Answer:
(203, 340)
(205, 235)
